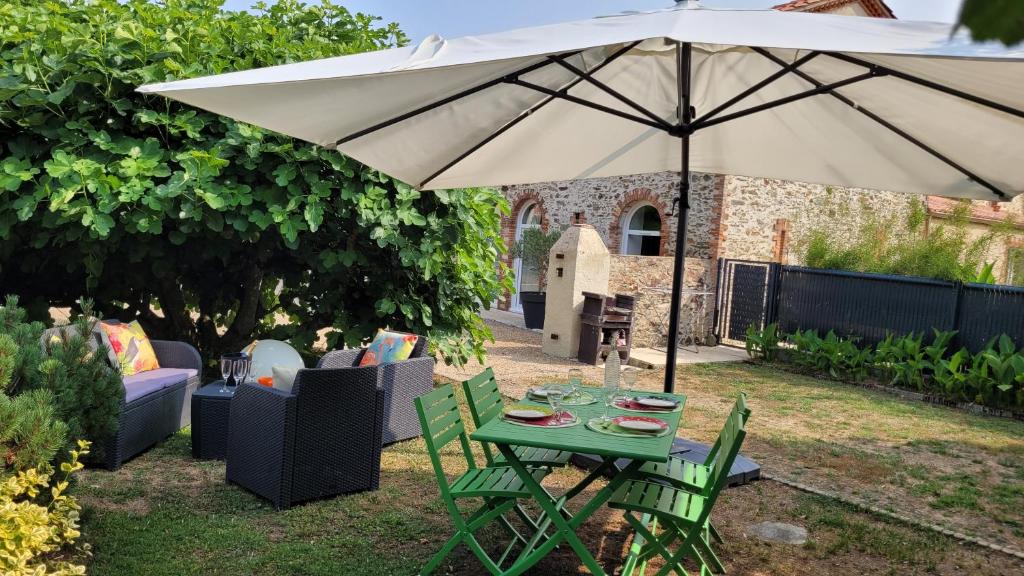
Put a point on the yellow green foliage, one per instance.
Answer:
(39, 521)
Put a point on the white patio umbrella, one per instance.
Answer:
(870, 103)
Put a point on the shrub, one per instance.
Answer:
(888, 246)
(148, 204)
(39, 521)
(20, 352)
(86, 389)
(81, 388)
(30, 432)
(839, 357)
(763, 344)
(535, 249)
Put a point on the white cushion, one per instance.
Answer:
(284, 377)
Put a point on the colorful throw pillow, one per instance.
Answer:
(389, 347)
(131, 346)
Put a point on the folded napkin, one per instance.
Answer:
(545, 421)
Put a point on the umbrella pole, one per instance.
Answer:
(683, 61)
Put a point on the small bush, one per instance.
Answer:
(39, 521)
(993, 377)
(888, 246)
(30, 432)
(83, 389)
(763, 344)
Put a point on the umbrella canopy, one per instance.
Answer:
(881, 75)
(859, 102)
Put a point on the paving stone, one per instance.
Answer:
(779, 532)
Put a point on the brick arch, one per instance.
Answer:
(508, 226)
(628, 202)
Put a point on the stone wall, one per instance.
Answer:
(602, 202)
(757, 210)
(649, 278)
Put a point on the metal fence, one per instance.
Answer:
(867, 306)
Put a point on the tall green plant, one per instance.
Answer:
(146, 204)
(887, 245)
(763, 344)
(534, 248)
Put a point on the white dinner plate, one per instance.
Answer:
(525, 414)
(656, 402)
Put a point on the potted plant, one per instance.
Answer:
(533, 249)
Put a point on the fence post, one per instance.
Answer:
(959, 287)
(718, 301)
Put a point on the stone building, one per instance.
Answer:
(730, 217)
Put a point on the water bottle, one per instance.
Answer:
(611, 366)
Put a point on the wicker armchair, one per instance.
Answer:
(321, 439)
(402, 383)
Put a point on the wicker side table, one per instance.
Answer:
(210, 409)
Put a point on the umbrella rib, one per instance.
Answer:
(892, 127)
(524, 115)
(929, 84)
(823, 89)
(587, 103)
(560, 60)
(447, 100)
(787, 68)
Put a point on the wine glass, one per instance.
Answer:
(555, 397)
(629, 375)
(575, 381)
(226, 364)
(610, 395)
(240, 369)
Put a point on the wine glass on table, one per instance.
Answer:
(575, 381)
(226, 366)
(555, 397)
(629, 375)
(610, 396)
(240, 370)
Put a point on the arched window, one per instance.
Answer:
(641, 231)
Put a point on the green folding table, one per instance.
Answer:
(582, 440)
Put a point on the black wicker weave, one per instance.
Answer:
(402, 382)
(321, 439)
(148, 420)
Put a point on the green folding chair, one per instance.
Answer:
(681, 516)
(499, 488)
(485, 404)
(693, 476)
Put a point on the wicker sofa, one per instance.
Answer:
(402, 383)
(156, 403)
(321, 439)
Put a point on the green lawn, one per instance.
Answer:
(166, 514)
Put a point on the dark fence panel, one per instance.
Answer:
(746, 296)
(987, 311)
(864, 305)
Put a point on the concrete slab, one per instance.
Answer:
(779, 533)
(655, 358)
(505, 317)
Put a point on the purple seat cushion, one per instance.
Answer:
(138, 385)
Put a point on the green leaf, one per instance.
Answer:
(284, 174)
(314, 214)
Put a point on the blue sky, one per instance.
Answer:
(453, 18)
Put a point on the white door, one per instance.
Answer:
(527, 277)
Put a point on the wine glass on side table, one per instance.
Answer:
(226, 366)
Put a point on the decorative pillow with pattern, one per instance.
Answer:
(131, 346)
(389, 347)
